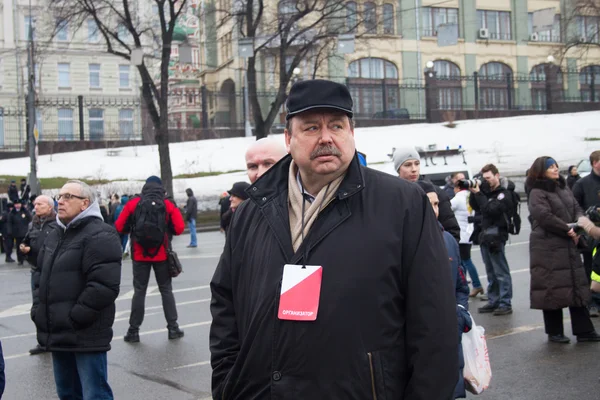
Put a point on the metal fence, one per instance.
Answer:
(208, 112)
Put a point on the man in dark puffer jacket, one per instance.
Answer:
(75, 288)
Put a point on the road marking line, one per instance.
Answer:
(515, 331)
(18, 336)
(24, 309)
(129, 295)
(118, 315)
(155, 331)
(189, 365)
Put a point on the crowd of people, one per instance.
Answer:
(368, 269)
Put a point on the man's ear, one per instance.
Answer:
(288, 137)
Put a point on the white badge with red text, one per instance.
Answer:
(300, 292)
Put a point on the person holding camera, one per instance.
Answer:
(588, 224)
(494, 202)
(558, 279)
(464, 214)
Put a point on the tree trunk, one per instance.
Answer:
(162, 139)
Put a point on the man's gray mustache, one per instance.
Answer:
(325, 151)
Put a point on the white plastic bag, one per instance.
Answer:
(478, 371)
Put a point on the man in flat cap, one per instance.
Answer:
(334, 282)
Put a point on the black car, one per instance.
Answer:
(395, 113)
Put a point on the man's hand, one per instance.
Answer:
(475, 189)
(24, 249)
(572, 233)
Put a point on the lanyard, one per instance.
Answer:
(305, 256)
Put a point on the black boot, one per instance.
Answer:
(175, 333)
(589, 337)
(37, 350)
(559, 339)
(132, 336)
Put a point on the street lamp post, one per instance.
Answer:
(548, 72)
(429, 97)
(31, 132)
(245, 51)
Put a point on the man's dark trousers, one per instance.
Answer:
(141, 275)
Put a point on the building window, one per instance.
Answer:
(65, 123)
(590, 77)
(588, 28)
(370, 17)
(493, 86)
(552, 35)
(2, 73)
(449, 85)
(92, 28)
(373, 83)
(433, 17)
(62, 30)
(64, 75)
(96, 120)
(497, 23)
(126, 123)
(537, 77)
(28, 22)
(388, 19)
(174, 50)
(226, 48)
(351, 17)
(124, 76)
(94, 76)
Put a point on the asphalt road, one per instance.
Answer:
(524, 364)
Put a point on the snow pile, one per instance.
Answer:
(510, 143)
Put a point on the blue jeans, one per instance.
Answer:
(2, 378)
(81, 376)
(470, 268)
(498, 276)
(124, 239)
(193, 239)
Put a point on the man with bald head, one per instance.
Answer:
(44, 221)
(262, 155)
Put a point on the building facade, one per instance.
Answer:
(498, 61)
(82, 93)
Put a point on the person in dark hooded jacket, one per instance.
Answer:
(13, 192)
(18, 222)
(572, 176)
(75, 287)
(191, 211)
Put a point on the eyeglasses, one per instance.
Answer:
(69, 196)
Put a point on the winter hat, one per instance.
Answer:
(154, 179)
(550, 162)
(403, 154)
(571, 168)
(239, 190)
(426, 186)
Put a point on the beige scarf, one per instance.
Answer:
(311, 210)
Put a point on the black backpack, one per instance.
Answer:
(514, 217)
(149, 228)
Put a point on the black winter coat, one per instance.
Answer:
(557, 275)
(494, 206)
(13, 194)
(191, 207)
(386, 325)
(39, 230)
(587, 191)
(76, 285)
(18, 222)
(572, 180)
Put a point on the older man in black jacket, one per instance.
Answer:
(334, 282)
(75, 288)
(44, 222)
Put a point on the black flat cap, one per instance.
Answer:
(239, 190)
(318, 93)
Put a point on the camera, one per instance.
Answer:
(593, 213)
(468, 183)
